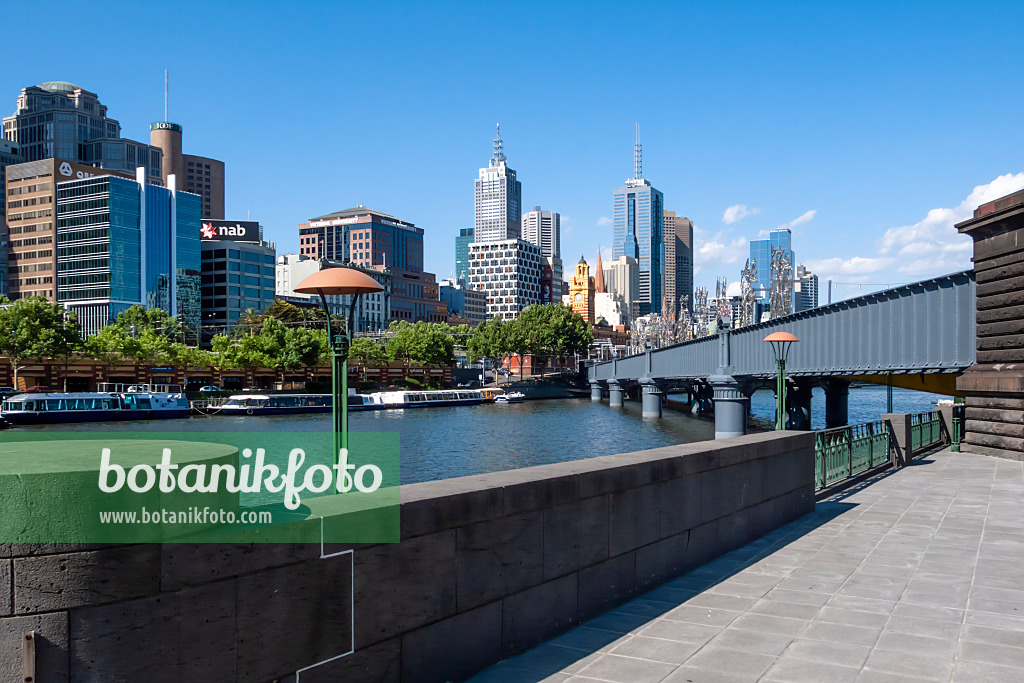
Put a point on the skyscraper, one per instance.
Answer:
(543, 228)
(62, 120)
(678, 264)
(498, 200)
(761, 253)
(638, 233)
(805, 285)
(9, 155)
(200, 175)
(462, 242)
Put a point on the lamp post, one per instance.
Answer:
(781, 342)
(339, 282)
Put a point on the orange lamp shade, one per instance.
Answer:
(339, 281)
(777, 337)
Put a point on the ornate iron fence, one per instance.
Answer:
(925, 430)
(847, 451)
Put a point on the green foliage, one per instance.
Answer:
(367, 352)
(303, 348)
(34, 328)
(138, 319)
(429, 344)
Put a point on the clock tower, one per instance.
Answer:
(581, 291)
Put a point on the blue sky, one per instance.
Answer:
(888, 121)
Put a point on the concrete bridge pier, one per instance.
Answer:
(731, 406)
(798, 405)
(595, 392)
(837, 403)
(653, 395)
(615, 394)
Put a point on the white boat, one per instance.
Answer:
(513, 397)
(111, 402)
(422, 399)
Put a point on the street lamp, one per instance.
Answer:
(339, 282)
(780, 341)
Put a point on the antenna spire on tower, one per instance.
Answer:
(499, 155)
(165, 94)
(638, 166)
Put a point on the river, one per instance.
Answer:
(440, 443)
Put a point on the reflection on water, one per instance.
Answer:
(440, 443)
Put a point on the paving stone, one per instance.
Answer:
(993, 636)
(627, 670)
(771, 624)
(709, 616)
(792, 670)
(725, 659)
(690, 674)
(656, 649)
(839, 654)
(681, 631)
(940, 648)
(761, 642)
(841, 633)
(992, 654)
(972, 672)
(909, 664)
(550, 658)
(792, 610)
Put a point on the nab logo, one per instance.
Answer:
(65, 169)
(209, 232)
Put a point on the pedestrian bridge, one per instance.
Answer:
(919, 336)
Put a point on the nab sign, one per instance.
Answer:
(234, 231)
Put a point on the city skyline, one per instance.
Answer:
(844, 145)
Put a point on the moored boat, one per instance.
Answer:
(111, 402)
(284, 404)
(511, 397)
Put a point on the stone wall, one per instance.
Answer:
(489, 566)
(994, 387)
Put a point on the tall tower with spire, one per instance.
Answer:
(638, 232)
(498, 199)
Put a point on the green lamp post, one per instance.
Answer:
(781, 342)
(339, 282)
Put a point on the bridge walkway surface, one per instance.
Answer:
(915, 575)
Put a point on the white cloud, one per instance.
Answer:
(928, 248)
(604, 222)
(738, 212)
(734, 289)
(718, 250)
(800, 220)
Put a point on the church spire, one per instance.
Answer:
(599, 275)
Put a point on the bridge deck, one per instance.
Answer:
(915, 576)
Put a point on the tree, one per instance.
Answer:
(569, 332)
(490, 341)
(401, 346)
(304, 348)
(516, 342)
(111, 346)
(137, 319)
(534, 324)
(367, 352)
(34, 328)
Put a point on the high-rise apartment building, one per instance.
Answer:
(374, 240)
(498, 200)
(462, 242)
(678, 264)
(543, 228)
(199, 175)
(509, 272)
(761, 254)
(638, 233)
(122, 243)
(61, 120)
(805, 286)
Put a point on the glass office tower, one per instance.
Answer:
(638, 214)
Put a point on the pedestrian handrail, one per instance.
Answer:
(925, 430)
(845, 452)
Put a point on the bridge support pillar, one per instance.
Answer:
(652, 397)
(837, 403)
(730, 406)
(595, 392)
(614, 394)
(798, 406)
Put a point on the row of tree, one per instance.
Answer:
(284, 337)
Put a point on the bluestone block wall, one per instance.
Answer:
(489, 566)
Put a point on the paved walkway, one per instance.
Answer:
(917, 575)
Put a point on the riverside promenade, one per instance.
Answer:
(914, 575)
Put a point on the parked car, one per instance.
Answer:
(208, 389)
(39, 389)
(504, 371)
(6, 390)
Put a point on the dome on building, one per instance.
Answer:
(60, 86)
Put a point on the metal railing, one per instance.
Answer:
(925, 430)
(844, 452)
